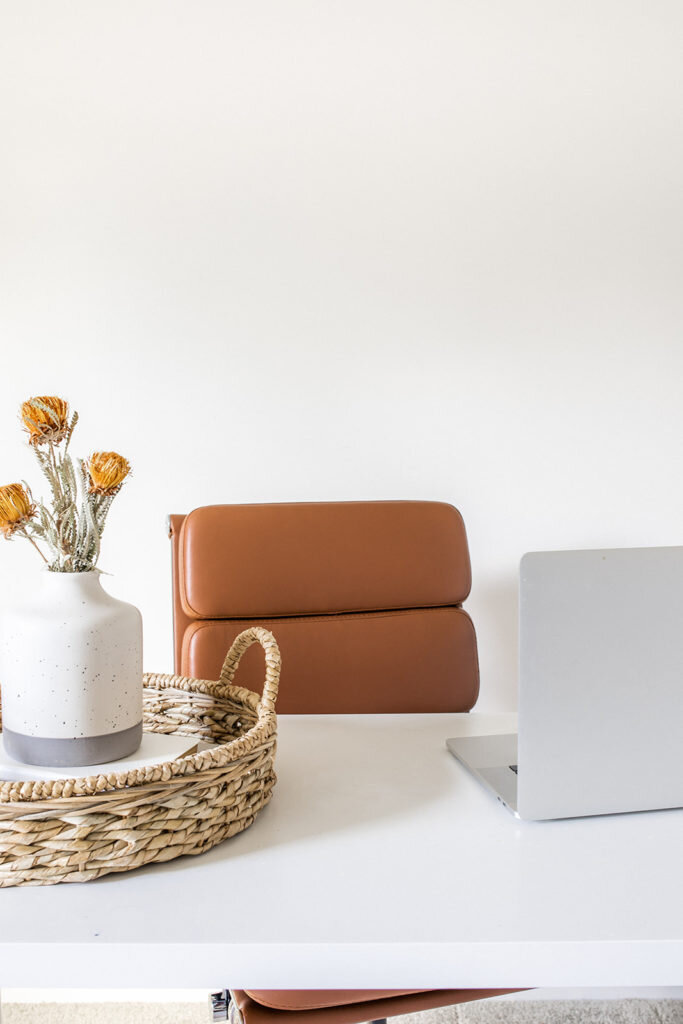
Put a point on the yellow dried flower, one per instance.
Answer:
(46, 419)
(16, 508)
(107, 471)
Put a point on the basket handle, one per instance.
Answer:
(241, 643)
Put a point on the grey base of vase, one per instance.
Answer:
(72, 753)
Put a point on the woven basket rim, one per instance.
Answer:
(17, 791)
(85, 787)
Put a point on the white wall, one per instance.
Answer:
(307, 250)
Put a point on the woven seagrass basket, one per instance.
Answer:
(74, 830)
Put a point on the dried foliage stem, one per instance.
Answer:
(30, 539)
(55, 472)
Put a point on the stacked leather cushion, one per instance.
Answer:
(364, 599)
(344, 1007)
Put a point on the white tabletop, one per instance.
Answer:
(380, 863)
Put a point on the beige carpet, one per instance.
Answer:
(622, 1011)
(105, 1013)
(538, 1011)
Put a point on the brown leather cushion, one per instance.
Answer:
(317, 999)
(316, 1007)
(391, 662)
(259, 561)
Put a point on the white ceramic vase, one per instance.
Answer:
(71, 674)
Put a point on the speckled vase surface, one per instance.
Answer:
(71, 674)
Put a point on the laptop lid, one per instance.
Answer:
(601, 681)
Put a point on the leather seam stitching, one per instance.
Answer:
(348, 612)
(389, 613)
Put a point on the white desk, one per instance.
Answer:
(380, 863)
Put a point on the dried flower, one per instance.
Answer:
(46, 419)
(106, 472)
(71, 523)
(16, 508)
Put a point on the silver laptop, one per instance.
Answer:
(600, 687)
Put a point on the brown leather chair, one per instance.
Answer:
(365, 599)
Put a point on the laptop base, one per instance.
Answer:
(489, 758)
